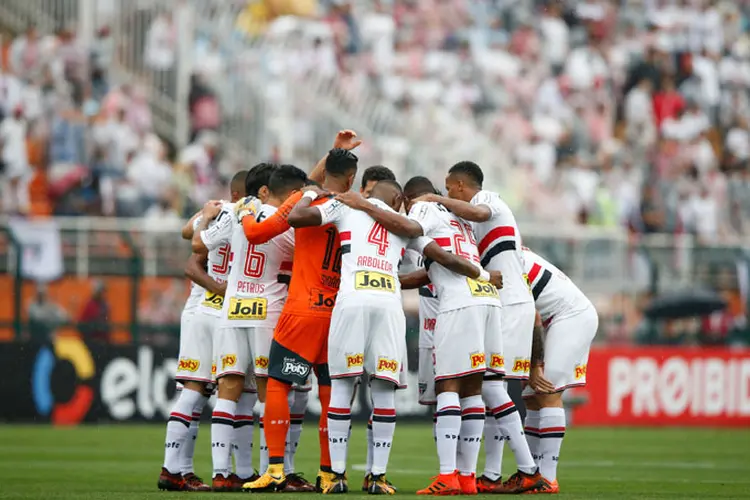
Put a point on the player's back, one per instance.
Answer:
(370, 254)
(554, 293)
(499, 245)
(217, 237)
(317, 271)
(454, 235)
(259, 271)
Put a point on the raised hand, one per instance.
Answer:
(346, 139)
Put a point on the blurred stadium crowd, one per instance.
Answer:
(626, 113)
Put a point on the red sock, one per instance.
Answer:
(324, 393)
(276, 419)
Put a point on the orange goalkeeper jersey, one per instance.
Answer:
(316, 272)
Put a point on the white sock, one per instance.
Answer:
(242, 438)
(368, 464)
(339, 420)
(531, 430)
(188, 450)
(509, 422)
(222, 429)
(494, 441)
(551, 434)
(470, 436)
(178, 429)
(263, 464)
(297, 409)
(383, 423)
(447, 428)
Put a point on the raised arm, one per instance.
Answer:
(261, 232)
(413, 280)
(465, 210)
(460, 265)
(195, 271)
(208, 214)
(187, 229)
(392, 221)
(345, 139)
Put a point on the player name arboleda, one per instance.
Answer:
(371, 280)
(213, 300)
(482, 288)
(249, 308)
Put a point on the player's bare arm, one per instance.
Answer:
(304, 215)
(187, 229)
(460, 265)
(209, 213)
(345, 139)
(414, 280)
(195, 271)
(537, 381)
(393, 222)
(465, 210)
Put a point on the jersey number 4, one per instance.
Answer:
(378, 236)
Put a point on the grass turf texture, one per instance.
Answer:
(123, 462)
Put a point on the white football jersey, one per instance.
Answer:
(218, 237)
(429, 305)
(554, 293)
(500, 248)
(454, 235)
(259, 278)
(370, 255)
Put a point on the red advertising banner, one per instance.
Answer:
(661, 386)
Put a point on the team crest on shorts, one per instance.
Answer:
(188, 365)
(477, 359)
(291, 366)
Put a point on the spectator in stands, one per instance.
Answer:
(25, 55)
(160, 52)
(44, 316)
(14, 166)
(94, 321)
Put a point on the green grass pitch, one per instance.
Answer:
(123, 461)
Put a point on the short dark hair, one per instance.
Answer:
(377, 173)
(469, 169)
(392, 183)
(417, 186)
(286, 178)
(238, 181)
(341, 162)
(258, 176)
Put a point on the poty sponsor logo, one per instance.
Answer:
(188, 365)
(228, 360)
(497, 361)
(385, 364)
(521, 365)
(354, 360)
(580, 371)
(294, 367)
(477, 359)
(213, 368)
(261, 362)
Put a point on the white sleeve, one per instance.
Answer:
(424, 214)
(220, 232)
(331, 211)
(419, 243)
(489, 200)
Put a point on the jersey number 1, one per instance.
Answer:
(378, 236)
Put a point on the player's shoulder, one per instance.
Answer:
(381, 204)
(422, 208)
(485, 197)
(329, 198)
(266, 211)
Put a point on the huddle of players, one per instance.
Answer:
(343, 317)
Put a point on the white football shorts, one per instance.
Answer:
(260, 345)
(233, 354)
(367, 337)
(518, 332)
(196, 347)
(426, 376)
(566, 349)
(465, 339)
